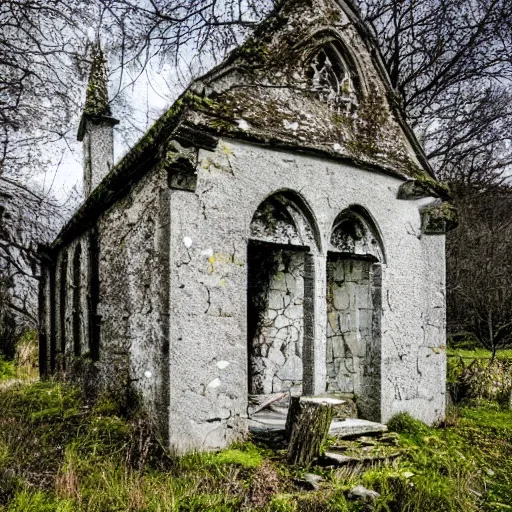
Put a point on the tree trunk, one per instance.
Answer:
(308, 423)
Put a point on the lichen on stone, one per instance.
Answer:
(439, 218)
(96, 98)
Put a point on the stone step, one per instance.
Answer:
(355, 427)
(339, 459)
(273, 420)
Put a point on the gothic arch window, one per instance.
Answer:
(333, 79)
(63, 289)
(280, 314)
(284, 218)
(353, 232)
(354, 309)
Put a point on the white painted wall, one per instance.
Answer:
(209, 232)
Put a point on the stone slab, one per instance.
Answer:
(354, 427)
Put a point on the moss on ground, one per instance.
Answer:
(58, 451)
(7, 369)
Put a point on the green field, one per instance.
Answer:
(480, 353)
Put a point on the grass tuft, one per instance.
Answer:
(404, 423)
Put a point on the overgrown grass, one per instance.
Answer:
(480, 353)
(59, 452)
(24, 366)
(7, 369)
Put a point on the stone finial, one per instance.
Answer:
(96, 99)
(96, 129)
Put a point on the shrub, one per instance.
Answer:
(487, 381)
(404, 423)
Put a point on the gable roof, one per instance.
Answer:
(262, 93)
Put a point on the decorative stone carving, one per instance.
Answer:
(352, 234)
(438, 218)
(279, 220)
(332, 81)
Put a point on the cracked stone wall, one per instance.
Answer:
(133, 308)
(98, 146)
(349, 325)
(210, 231)
(133, 294)
(353, 338)
(275, 316)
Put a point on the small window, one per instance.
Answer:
(77, 310)
(331, 79)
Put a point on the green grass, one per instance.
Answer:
(60, 452)
(25, 364)
(7, 369)
(479, 353)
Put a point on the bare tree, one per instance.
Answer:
(479, 266)
(41, 63)
(450, 62)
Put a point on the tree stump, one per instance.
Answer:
(307, 424)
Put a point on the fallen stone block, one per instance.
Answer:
(338, 459)
(355, 427)
(310, 481)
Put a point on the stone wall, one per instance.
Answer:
(353, 330)
(275, 319)
(130, 246)
(349, 324)
(210, 232)
(134, 293)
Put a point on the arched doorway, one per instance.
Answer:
(354, 263)
(283, 238)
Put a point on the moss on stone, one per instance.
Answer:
(96, 98)
(442, 189)
(440, 218)
(366, 128)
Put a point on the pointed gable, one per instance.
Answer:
(311, 78)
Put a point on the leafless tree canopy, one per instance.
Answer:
(449, 60)
(41, 51)
(479, 266)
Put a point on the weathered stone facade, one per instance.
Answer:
(221, 258)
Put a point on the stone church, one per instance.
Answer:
(277, 230)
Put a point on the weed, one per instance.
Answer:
(404, 423)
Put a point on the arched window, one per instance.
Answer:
(283, 234)
(284, 219)
(63, 286)
(353, 232)
(332, 78)
(354, 309)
